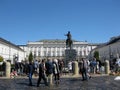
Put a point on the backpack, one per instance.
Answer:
(49, 67)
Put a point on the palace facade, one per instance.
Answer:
(56, 48)
(42, 49)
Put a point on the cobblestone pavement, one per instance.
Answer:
(66, 83)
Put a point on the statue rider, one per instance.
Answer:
(69, 39)
(68, 35)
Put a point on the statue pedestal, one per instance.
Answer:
(70, 55)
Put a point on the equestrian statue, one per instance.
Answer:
(69, 41)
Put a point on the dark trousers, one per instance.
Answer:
(57, 76)
(84, 74)
(30, 79)
(42, 76)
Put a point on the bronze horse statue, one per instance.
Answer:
(69, 41)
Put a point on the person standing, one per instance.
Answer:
(36, 65)
(93, 65)
(61, 65)
(56, 71)
(49, 72)
(70, 66)
(88, 69)
(84, 68)
(117, 64)
(30, 71)
(42, 73)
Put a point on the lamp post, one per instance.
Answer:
(9, 51)
(110, 52)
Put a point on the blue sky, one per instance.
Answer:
(31, 20)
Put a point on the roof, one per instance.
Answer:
(113, 40)
(63, 41)
(53, 41)
(9, 43)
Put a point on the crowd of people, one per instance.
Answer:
(115, 65)
(49, 68)
(46, 69)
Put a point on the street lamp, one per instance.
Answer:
(110, 52)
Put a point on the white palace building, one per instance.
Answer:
(41, 49)
(56, 48)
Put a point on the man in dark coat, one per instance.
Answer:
(30, 71)
(84, 67)
(42, 73)
(49, 72)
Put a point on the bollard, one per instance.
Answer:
(50, 79)
(102, 70)
(8, 69)
(107, 67)
(75, 68)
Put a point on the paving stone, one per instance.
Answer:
(66, 83)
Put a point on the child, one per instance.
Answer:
(13, 74)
